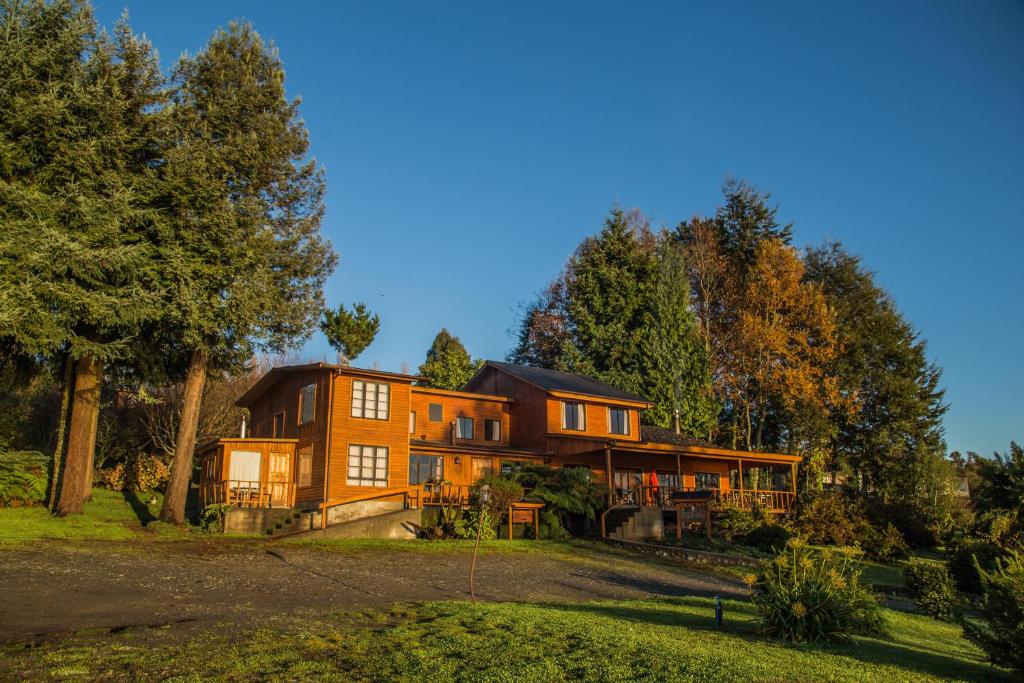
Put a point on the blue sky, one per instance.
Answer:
(469, 147)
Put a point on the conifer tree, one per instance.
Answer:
(245, 259)
(349, 333)
(448, 365)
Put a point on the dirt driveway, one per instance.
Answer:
(51, 587)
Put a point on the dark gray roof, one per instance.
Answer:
(555, 380)
(661, 435)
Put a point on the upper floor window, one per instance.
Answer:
(412, 422)
(370, 400)
(618, 421)
(464, 428)
(435, 412)
(278, 432)
(307, 403)
(573, 416)
(492, 430)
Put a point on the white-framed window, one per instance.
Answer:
(367, 466)
(464, 428)
(370, 400)
(307, 403)
(618, 421)
(574, 416)
(492, 430)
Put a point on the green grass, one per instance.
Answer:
(110, 516)
(650, 640)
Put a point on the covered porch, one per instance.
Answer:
(255, 473)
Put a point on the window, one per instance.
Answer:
(464, 428)
(278, 432)
(704, 481)
(307, 403)
(482, 467)
(367, 466)
(412, 422)
(435, 412)
(573, 416)
(618, 421)
(492, 430)
(510, 467)
(244, 472)
(424, 468)
(370, 400)
(306, 466)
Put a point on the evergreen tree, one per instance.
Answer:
(78, 148)
(676, 373)
(448, 364)
(349, 333)
(245, 259)
(745, 220)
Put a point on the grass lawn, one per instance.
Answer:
(654, 640)
(110, 516)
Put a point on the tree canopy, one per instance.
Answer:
(349, 332)
(448, 365)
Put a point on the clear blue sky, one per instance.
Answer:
(469, 147)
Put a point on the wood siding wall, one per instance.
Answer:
(528, 411)
(283, 396)
(597, 422)
(454, 407)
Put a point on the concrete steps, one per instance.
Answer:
(636, 524)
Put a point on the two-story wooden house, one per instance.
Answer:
(324, 437)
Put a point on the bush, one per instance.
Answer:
(211, 519)
(830, 518)
(142, 473)
(808, 598)
(465, 526)
(884, 546)
(569, 494)
(931, 587)
(966, 559)
(735, 522)
(24, 476)
(1000, 630)
(770, 538)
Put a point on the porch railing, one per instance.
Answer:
(444, 494)
(248, 493)
(661, 496)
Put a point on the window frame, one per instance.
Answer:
(698, 487)
(497, 429)
(459, 434)
(626, 422)
(435, 469)
(430, 412)
(580, 417)
(304, 455)
(303, 403)
(275, 433)
(362, 410)
(375, 456)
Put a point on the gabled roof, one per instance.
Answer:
(274, 374)
(558, 381)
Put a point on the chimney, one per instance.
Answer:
(451, 433)
(243, 427)
(675, 421)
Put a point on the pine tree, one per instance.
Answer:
(245, 259)
(448, 364)
(77, 151)
(349, 333)
(745, 220)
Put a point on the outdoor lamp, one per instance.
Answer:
(485, 494)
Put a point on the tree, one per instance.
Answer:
(78, 148)
(544, 340)
(676, 365)
(349, 333)
(745, 220)
(245, 261)
(1001, 484)
(448, 364)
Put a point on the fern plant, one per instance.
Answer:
(23, 478)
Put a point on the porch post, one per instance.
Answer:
(611, 479)
(743, 498)
(679, 472)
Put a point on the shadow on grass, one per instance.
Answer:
(684, 587)
(743, 624)
(139, 507)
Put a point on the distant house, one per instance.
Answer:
(325, 436)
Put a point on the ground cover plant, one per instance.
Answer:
(23, 478)
(669, 639)
(931, 587)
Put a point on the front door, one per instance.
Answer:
(627, 480)
(279, 478)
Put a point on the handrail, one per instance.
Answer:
(404, 491)
(623, 500)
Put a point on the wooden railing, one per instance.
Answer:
(661, 496)
(248, 493)
(444, 494)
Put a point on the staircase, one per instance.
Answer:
(294, 522)
(635, 523)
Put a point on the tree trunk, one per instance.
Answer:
(62, 428)
(173, 510)
(85, 407)
(91, 451)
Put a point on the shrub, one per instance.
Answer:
(568, 493)
(803, 597)
(211, 519)
(24, 476)
(770, 538)
(465, 526)
(886, 545)
(1000, 629)
(503, 491)
(142, 473)
(970, 556)
(931, 587)
(735, 522)
(830, 518)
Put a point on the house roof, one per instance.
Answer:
(653, 434)
(556, 380)
(274, 374)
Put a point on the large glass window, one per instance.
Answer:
(367, 466)
(618, 421)
(424, 468)
(573, 416)
(370, 400)
(705, 481)
(492, 430)
(482, 467)
(464, 428)
(307, 403)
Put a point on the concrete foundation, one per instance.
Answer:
(394, 524)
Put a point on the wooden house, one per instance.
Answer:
(325, 436)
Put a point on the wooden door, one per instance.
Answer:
(279, 478)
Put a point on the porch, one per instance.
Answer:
(251, 473)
